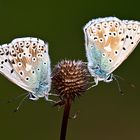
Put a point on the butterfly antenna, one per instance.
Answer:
(21, 102)
(128, 82)
(14, 99)
(119, 87)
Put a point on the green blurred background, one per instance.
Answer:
(104, 113)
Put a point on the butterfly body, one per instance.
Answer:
(109, 41)
(42, 90)
(26, 62)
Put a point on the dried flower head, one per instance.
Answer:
(70, 79)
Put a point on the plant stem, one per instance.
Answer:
(65, 119)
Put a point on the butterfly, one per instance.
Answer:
(26, 62)
(108, 42)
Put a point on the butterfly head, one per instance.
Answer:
(100, 74)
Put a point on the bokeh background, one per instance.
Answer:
(104, 113)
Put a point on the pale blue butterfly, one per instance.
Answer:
(26, 62)
(109, 41)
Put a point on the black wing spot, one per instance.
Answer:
(95, 38)
(27, 78)
(21, 73)
(33, 71)
(13, 62)
(14, 55)
(7, 53)
(124, 48)
(12, 70)
(2, 54)
(110, 60)
(116, 52)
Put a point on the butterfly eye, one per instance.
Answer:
(109, 78)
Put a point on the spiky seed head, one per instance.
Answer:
(70, 79)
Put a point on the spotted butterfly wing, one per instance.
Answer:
(25, 62)
(109, 41)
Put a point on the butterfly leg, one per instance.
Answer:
(53, 94)
(50, 100)
(96, 83)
